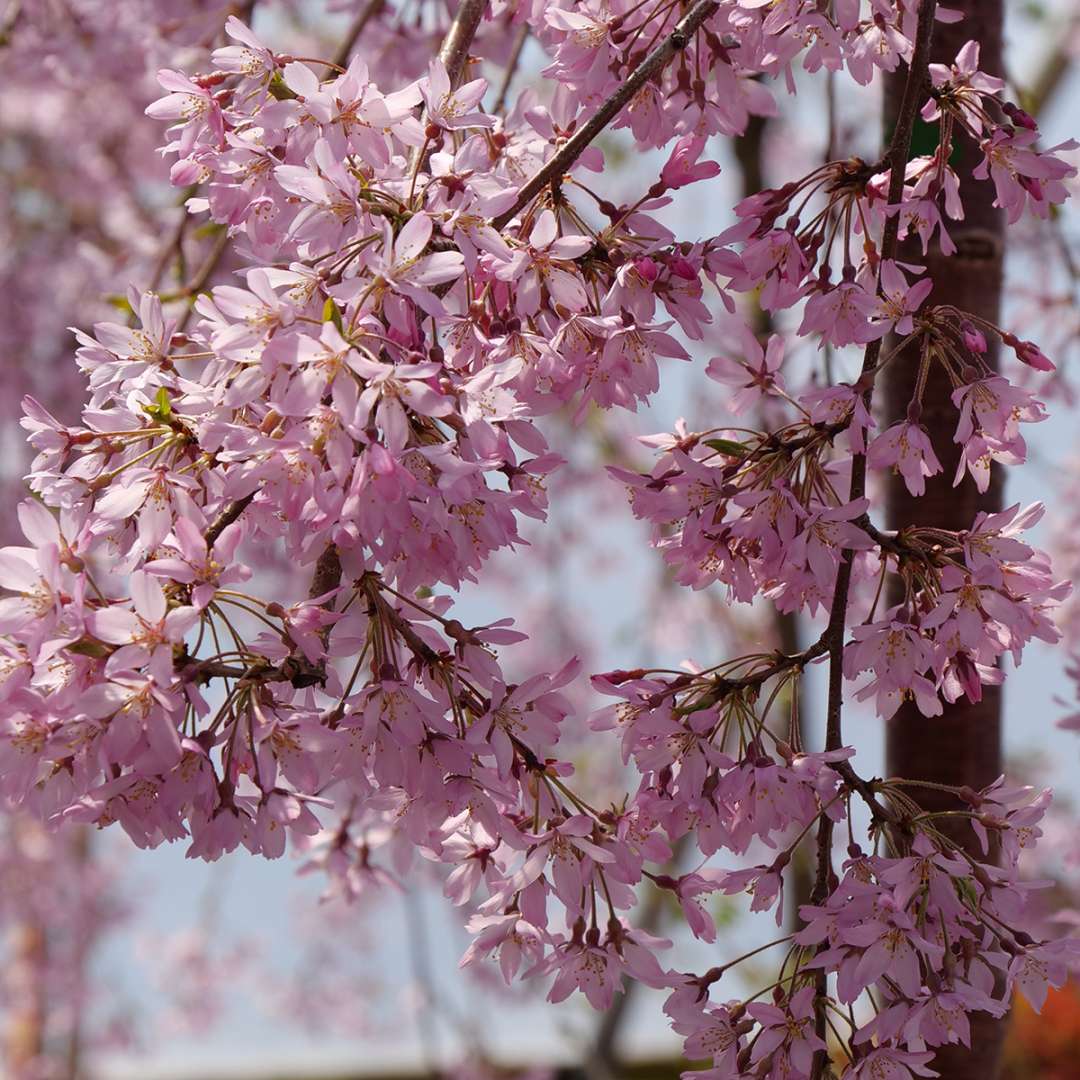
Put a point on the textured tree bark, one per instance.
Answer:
(964, 745)
(25, 1034)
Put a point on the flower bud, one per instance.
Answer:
(1019, 117)
(1032, 185)
(1029, 353)
(619, 676)
(647, 269)
(974, 339)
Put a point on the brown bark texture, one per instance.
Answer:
(24, 1028)
(963, 746)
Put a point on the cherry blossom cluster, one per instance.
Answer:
(763, 518)
(1024, 176)
(426, 279)
(84, 207)
(712, 88)
(927, 933)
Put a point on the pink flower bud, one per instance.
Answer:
(974, 339)
(1019, 117)
(1029, 353)
(681, 267)
(1032, 185)
(647, 268)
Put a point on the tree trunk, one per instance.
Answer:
(964, 745)
(24, 1041)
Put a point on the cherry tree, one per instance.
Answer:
(427, 274)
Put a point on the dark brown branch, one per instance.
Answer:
(296, 668)
(454, 51)
(897, 157)
(327, 575)
(573, 148)
(226, 518)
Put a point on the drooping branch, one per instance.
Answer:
(674, 43)
(511, 68)
(454, 51)
(454, 54)
(897, 156)
(227, 516)
(352, 35)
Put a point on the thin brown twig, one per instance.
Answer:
(897, 158)
(202, 275)
(227, 516)
(352, 35)
(454, 51)
(511, 68)
(573, 148)
(171, 247)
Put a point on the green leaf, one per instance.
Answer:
(279, 89)
(211, 228)
(966, 888)
(121, 303)
(90, 647)
(727, 446)
(331, 313)
(161, 410)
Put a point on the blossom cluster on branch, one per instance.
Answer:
(424, 280)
